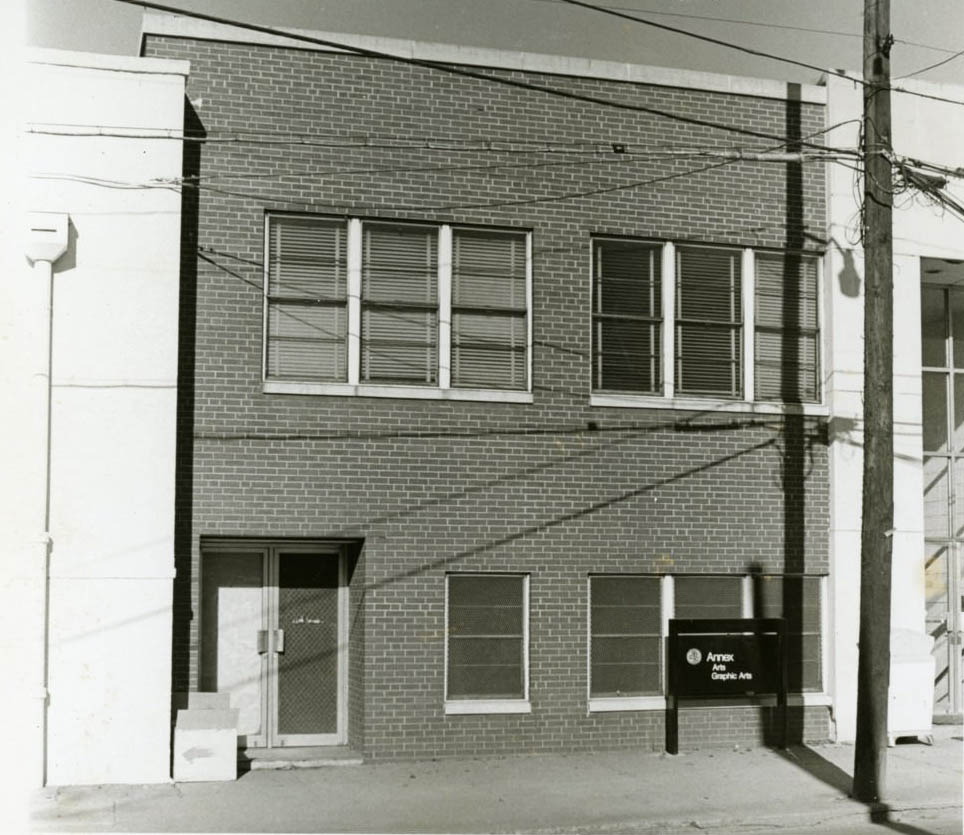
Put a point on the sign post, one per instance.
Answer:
(716, 658)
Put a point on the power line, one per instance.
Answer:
(728, 158)
(463, 72)
(740, 48)
(686, 33)
(739, 22)
(933, 66)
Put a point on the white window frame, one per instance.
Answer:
(353, 386)
(457, 707)
(669, 399)
(614, 704)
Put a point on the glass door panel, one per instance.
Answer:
(232, 615)
(307, 687)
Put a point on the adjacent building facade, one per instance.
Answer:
(89, 330)
(928, 490)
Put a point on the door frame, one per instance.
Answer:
(270, 551)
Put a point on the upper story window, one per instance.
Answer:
(489, 310)
(397, 309)
(307, 300)
(709, 333)
(675, 324)
(787, 327)
(399, 304)
(626, 317)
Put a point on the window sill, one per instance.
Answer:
(616, 703)
(630, 703)
(706, 404)
(476, 706)
(397, 392)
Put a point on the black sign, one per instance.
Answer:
(726, 665)
(724, 657)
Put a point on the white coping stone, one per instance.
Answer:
(208, 701)
(117, 63)
(194, 719)
(157, 23)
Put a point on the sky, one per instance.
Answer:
(926, 31)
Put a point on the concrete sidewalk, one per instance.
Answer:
(759, 790)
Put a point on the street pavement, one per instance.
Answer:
(758, 790)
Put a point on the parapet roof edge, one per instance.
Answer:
(914, 85)
(162, 23)
(100, 61)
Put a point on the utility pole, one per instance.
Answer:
(876, 536)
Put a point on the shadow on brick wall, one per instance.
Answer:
(184, 463)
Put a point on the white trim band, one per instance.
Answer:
(473, 706)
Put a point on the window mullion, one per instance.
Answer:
(354, 300)
(445, 307)
(269, 247)
(528, 245)
(748, 598)
(669, 282)
(748, 287)
(668, 606)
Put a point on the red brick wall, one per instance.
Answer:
(436, 486)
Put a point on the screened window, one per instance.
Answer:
(708, 321)
(625, 621)
(486, 637)
(399, 318)
(797, 600)
(626, 316)
(628, 627)
(786, 327)
(708, 596)
(489, 323)
(306, 290)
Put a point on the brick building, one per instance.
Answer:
(479, 386)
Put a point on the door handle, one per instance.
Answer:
(262, 641)
(279, 640)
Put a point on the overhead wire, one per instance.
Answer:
(459, 71)
(931, 66)
(778, 26)
(749, 50)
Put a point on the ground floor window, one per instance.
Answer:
(625, 632)
(486, 637)
(629, 622)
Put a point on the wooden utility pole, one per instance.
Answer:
(876, 536)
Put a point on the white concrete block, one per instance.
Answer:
(205, 745)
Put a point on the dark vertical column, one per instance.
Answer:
(794, 439)
(184, 454)
(672, 704)
(873, 665)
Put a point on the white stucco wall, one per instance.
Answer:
(929, 130)
(112, 424)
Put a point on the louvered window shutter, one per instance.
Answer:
(708, 322)
(786, 328)
(399, 319)
(489, 325)
(307, 315)
(627, 325)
